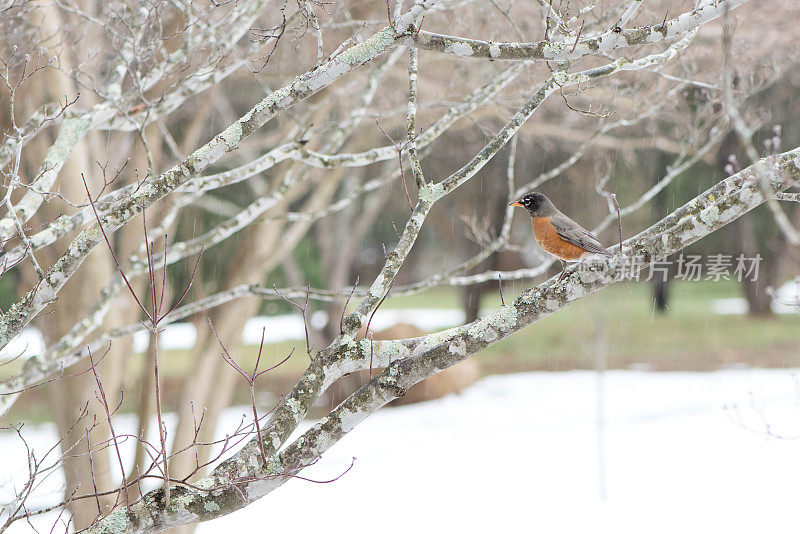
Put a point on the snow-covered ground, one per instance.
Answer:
(684, 452)
(786, 300)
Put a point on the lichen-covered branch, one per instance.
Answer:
(298, 169)
(325, 370)
(243, 479)
(479, 97)
(38, 370)
(75, 125)
(23, 311)
(411, 120)
(60, 356)
(568, 50)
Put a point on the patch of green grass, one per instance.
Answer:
(618, 322)
(438, 297)
(621, 323)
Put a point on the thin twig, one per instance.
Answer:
(303, 310)
(619, 220)
(500, 288)
(344, 308)
(577, 37)
(104, 402)
(399, 149)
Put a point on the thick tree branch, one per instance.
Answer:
(242, 479)
(567, 50)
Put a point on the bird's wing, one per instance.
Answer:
(572, 232)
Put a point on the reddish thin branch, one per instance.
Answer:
(303, 310)
(104, 401)
(251, 380)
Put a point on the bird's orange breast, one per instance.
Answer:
(552, 243)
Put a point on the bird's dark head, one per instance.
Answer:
(537, 205)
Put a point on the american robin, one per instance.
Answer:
(557, 234)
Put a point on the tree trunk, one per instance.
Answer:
(660, 283)
(754, 291)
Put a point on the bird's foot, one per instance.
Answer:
(563, 272)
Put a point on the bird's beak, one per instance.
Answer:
(517, 203)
